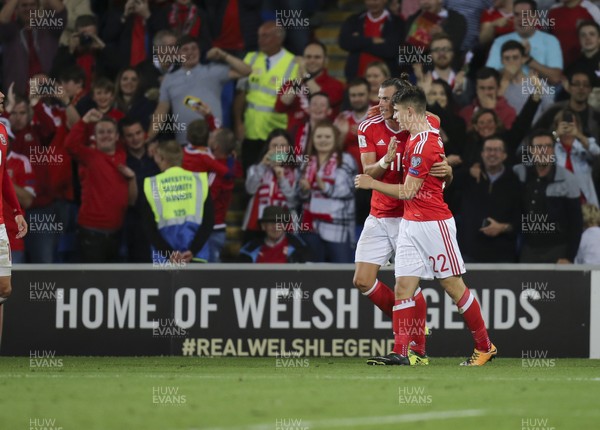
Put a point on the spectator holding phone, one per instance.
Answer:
(576, 152)
(272, 182)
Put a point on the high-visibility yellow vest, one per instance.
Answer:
(177, 199)
(260, 116)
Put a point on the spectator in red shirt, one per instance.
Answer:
(347, 121)
(107, 189)
(293, 96)
(496, 21)
(563, 19)
(222, 144)
(277, 245)
(487, 87)
(372, 35)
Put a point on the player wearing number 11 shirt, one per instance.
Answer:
(8, 197)
(427, 236)
(377, 243)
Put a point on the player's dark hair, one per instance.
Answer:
(73, 73)
(539, 132)
(512, 45)
(494, 137)
(85, 21)
(197, 132)
(532, 3)
(413, 96)
(128, 121)
(486, 73)
(318, 43)
(588, 23)
(398, 83)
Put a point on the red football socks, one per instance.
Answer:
(403, 324)
(382, 297)
(471, 312)
(420, 319)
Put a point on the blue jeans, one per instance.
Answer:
(215, 243)
(325, 251)
(45, 229)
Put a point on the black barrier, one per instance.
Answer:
(290, 313)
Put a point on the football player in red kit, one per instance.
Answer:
(9, 196)
(377, 242)
(427, 237)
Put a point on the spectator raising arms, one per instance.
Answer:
(327, 186)
(272, 182)
(108, 187)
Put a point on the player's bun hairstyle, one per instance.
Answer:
(398, 83)
(413, 96)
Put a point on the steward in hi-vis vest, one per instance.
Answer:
(179, 214)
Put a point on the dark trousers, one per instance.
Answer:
(251, 150)
(97, 246)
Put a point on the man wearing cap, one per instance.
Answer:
(278, 246)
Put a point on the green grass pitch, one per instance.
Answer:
(184, 393)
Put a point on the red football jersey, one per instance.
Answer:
(422, 151)
(20, 172)
(374, 135)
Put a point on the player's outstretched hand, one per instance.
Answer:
(391, 152)
(21, 225)
(363, 182)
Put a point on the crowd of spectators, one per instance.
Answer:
(131, 121)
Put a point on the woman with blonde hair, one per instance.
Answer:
(375, 73)
(589, 247)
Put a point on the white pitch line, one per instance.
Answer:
(284, 376)
(366, 421)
